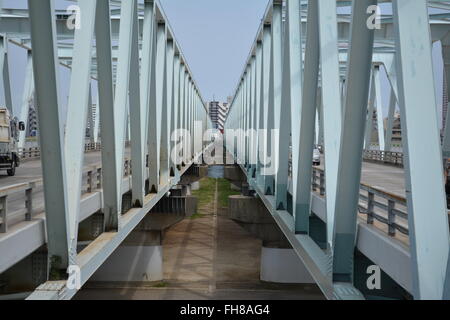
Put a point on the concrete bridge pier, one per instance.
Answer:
(140, 257)
(194, 174)
(237, 179)
(279, 262)
(137, 259)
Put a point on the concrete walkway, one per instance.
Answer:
(208, 257)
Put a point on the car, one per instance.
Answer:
(316, 157)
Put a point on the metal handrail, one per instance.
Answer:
(369, 205)
(93, 182)
(386, 157)
(35, 153)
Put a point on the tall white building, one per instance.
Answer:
(218, 113)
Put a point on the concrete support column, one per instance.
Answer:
(279, 265)
(235, 175)
(279, 262)
(138, 259)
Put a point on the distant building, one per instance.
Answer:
(218, 113)
(444, 104)
(223, 113)
(396, 130)
(33, 125)
(94, 117)
(214, 113)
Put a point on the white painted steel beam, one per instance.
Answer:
(427, 210)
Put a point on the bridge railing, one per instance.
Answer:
(27, 212)
(377, 205)
(92, 182)
(386, 157)
(26, 154)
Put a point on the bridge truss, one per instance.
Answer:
(319, 61)
(146, 91)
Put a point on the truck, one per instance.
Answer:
(316, 157)
(9, 138)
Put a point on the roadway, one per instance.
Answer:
(387, 178)
(30, 171)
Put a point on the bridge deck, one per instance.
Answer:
(387, 178)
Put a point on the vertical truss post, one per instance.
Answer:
(77, 110)
(243, 118)
(156, 108)
(27, 98)
(261, 106)
(148, 40)
(185, 117)
(427, 210)
(182, 112)
(138, 116)
(189, 119)
(191, 122)
(197, 128)
(265, 89)
(352, 143)
(111, 188)
(195, 124)
(176, 111)
(253, 120)
(304, 106)
(281, 111)
(45, 66)
(274, 97)
(258, 69)
(153, 127)
(166, 114)
(240, 119)
(121, 101)
(247, 115)
(331, 99)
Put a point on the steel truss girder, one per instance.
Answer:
(427, 209)
(408, 66)
(52, 147)
(135, 93)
